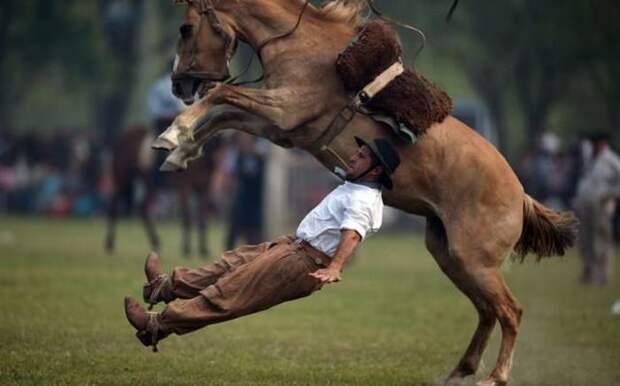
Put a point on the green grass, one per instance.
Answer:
(393, 320)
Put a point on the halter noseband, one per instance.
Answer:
(206, 9)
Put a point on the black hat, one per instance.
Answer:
(386, 155)
(599, 136)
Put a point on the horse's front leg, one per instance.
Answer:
(218, 118)
(286, 108)
(183, 127)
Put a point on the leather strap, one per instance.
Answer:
(346, 115)
(380, 82)
(317, 256)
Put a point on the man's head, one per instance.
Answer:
(599, 141)
(374, 161)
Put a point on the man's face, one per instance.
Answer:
(359, 162)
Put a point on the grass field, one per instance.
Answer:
(393, 320)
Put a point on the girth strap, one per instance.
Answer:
(346, 115)
(340, 121)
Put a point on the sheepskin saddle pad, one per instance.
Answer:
(410, 99)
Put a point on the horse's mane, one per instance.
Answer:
(344, 11)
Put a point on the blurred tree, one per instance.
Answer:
(604, 54)
(549, 55)
(37, 37)
(121, 22)
(481, 39)
(534, 50)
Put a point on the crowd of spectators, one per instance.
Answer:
(550, 171)
(65, 172)
(58, 173)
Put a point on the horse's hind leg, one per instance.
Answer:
(203, 204)
(110, 240)
(186, 220)
(149, 226)
(509, 314)
(488, 293)
(437, 244)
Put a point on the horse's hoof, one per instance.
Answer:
(160, 143)
(454, 381)
(491, 382)
(169, 166)
(169, 139)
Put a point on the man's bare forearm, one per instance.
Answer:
(349, 242)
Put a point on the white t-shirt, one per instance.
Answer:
(351, 206)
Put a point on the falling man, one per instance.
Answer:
(253, 278)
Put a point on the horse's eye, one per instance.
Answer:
(186, 30)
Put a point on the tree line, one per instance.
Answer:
(550, 64)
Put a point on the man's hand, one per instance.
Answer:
(327, 275)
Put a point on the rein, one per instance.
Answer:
(261, 46)
(206, 7)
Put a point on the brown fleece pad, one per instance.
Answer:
(410, 98)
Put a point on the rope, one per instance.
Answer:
(418, 31)
(451, 11)
(262, 45)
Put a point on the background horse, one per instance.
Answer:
(133, 162)
(476, 210)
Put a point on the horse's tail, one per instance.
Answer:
(545, 231)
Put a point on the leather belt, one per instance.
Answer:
(317, 256)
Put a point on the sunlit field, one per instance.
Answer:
(393, 320)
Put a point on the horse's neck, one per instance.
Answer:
(258, 21)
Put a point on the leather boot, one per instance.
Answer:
(150, 330)
(158, 286)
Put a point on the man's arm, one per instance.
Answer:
(349, 240)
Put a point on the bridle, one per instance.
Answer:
(206, 9)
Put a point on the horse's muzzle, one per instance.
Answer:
(185, 88)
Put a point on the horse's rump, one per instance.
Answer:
(375, 49)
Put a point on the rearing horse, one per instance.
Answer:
(477, 212)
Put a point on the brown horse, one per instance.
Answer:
(133, 160)
(477, 212)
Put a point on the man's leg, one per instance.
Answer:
(281, 274)
(186, 283)
(586, 247)
(603, 246)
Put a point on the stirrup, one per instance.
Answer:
(152, 290)
(151, 335)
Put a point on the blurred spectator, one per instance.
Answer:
(595, 204)
(544, 171)
(161, 108)
(162, 105)
(247, 163)
(55, 173)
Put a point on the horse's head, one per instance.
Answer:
(204, 50)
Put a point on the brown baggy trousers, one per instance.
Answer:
(245, 280)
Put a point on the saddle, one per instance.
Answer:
(410, 103)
